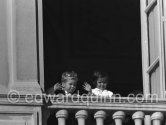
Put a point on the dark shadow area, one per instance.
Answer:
(85, 35)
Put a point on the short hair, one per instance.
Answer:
(99, 74)
(69, 75)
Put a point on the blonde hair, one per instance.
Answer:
(69, 75)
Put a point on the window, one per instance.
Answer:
(86, 35)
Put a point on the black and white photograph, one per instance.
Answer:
(82, 62)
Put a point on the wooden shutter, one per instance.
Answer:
(152, 47)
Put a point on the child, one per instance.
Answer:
(67, 85)
(100, 81)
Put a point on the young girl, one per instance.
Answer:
(100, 81)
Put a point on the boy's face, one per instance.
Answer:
(70, 85)
(102, 83)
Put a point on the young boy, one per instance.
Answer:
(67, 85)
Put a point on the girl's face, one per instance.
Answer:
(102, 83)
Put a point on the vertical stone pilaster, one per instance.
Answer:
(19, 62)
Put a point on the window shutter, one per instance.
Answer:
(152, 47)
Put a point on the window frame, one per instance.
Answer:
(39, 34)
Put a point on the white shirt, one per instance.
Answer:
(99, 92)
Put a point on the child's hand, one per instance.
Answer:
(57, 86)
(87, 86)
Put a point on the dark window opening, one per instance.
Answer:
(85, 35)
